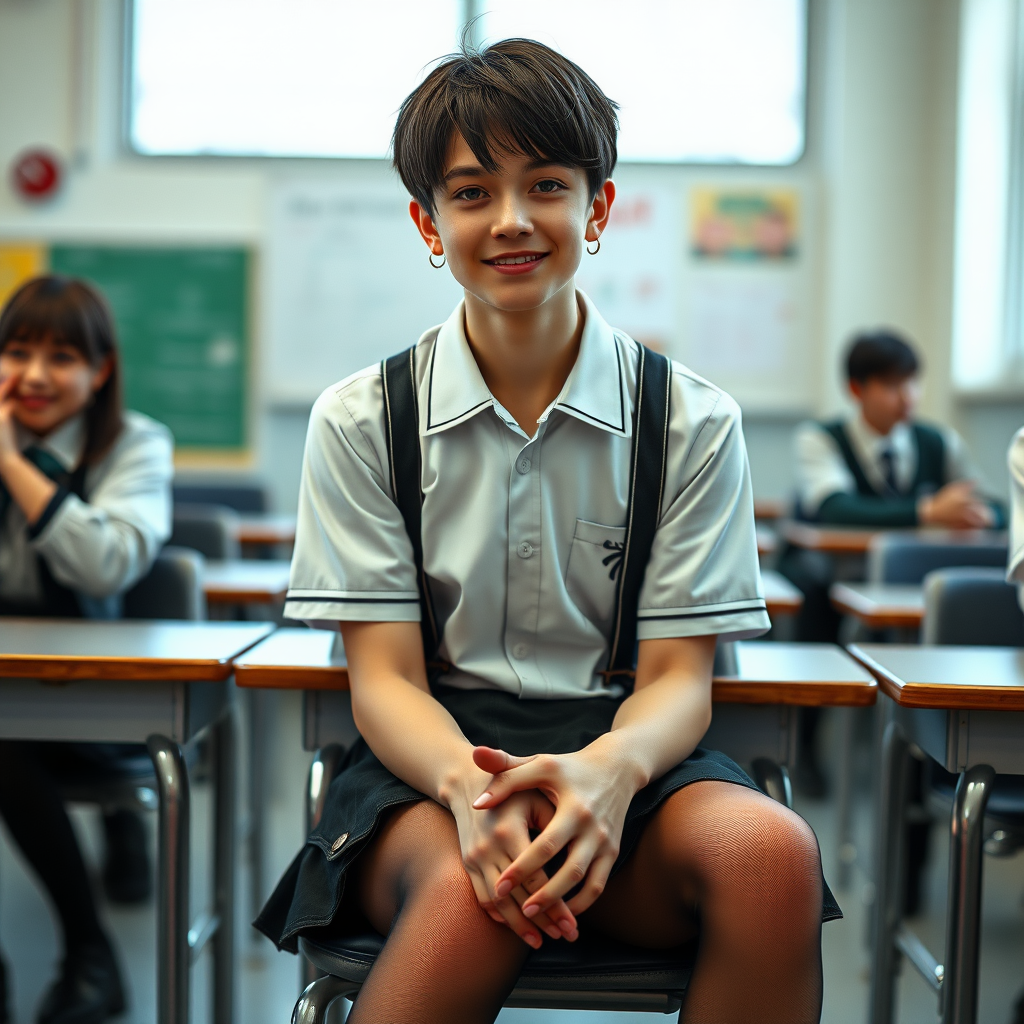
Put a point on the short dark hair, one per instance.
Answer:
(515, 96)
(73, 313)
(882, 353)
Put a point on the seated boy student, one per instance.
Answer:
(473, 516)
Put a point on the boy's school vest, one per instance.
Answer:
(930, 475)
(647, 482)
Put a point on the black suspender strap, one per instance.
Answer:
(402, 424)
(651, 412)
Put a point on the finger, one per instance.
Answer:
(8, 384)
(560, 831)
(535, 774)
(495, 761)
(513, 916)
(568, 876)
(597, 879)
(543, 920)
(558, 912)
(482, 895)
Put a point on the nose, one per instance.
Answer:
(36, 370)
(511, 220)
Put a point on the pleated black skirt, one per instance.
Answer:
(309, 894)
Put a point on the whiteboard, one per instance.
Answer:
(347, 283)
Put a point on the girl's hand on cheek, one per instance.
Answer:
(491, 841)
(8, 438)
(590, 793)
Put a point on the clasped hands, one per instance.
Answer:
(577, 803)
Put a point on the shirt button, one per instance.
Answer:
(525, 549)
(524, 465)
(520, 651)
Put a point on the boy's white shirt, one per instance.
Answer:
(821, 470)
(519, 533)
(1015, 459)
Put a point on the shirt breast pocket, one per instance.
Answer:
(592, 576)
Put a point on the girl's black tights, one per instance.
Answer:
(34, 812)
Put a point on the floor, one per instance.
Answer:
(268, 981)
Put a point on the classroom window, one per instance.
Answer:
(698, 82)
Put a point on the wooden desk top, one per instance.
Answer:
(266, 529)
(767, 541)
(246, 581)
(769, 673)
(780, 596)
(770, 508)
(66, 649)
(968, 678)
(880, 605)
(849, 540)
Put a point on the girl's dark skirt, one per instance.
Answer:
(364, 791)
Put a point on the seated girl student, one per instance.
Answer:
(525, 421)
(85, 506)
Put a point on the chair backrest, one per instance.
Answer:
(173, 589)
(971, 606)
(895, 558)
(212, 530)
(240, 497)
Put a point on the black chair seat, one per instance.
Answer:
(1005, 806)
(591, 963)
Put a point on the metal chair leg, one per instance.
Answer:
(773, 779)
(321, 774)
(316, 1000)
(888, 906)
(844, 798)
(224, 779)
(963, 924)
(172, 906)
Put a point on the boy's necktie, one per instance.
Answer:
(45, 463)
(888, 461)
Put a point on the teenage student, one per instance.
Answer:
(498, 512)
(877, 467)
(85, 505)
(1015, 459)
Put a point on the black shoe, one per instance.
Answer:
(127, 877)
(88, 991)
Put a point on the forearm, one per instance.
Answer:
(857, 510)
(663, 720)
(30, 489)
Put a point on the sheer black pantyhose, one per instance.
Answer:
(716, 858)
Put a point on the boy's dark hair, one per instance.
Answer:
(515, 96)
(881, 353)
(72, 312)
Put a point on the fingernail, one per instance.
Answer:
(533, 940)
(503, 888)
(481, 800)
(532, 910)
(566, 925)
(573, 935)
(553, 933)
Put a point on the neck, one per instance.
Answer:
(882, 428)
(525, 356)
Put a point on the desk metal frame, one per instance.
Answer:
(164, 715)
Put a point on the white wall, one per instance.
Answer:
(881, 157)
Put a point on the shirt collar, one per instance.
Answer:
(874, 443)
(66, 444)
(594, 392)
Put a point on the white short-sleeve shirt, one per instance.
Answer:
(1015, 460)
(522, 536)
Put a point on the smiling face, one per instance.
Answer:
(56, 381)
(886, 401)
(513, 238)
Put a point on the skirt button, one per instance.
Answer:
(339, 842)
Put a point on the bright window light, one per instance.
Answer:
(266, 78)
(697, 81)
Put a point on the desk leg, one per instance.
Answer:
(172, 950)
(844, 798)
(224, 868)
(963, 925)
(888, 873)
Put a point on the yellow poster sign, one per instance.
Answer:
(744, 224)
(19, 262)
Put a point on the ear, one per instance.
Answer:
(102, 374)
(600, 210)
(857, 389)
(425, 226)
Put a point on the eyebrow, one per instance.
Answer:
(475, 170)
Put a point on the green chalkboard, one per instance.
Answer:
(182, 321)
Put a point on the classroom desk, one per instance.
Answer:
(850, 540)
(770, 508)
(964, 706)
(158, 683)
(880, 605)
(266, 528)
(780, 596)
(767, 541)
(246, 581)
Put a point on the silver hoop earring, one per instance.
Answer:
(437, 266)
(594, 252)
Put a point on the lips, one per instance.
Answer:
(34, 402)
(516, 262)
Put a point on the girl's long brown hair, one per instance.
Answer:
(72, 312)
